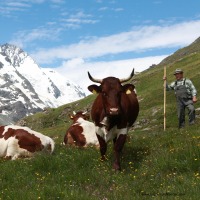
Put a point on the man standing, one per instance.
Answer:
(185, 93)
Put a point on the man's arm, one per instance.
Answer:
(193, 91)
(169, 87)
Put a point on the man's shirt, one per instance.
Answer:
(191, 90)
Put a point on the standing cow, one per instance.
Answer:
(17, 141)
(82, 132)
(114, 111)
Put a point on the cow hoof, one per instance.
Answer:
(103, 158)
(116, 167)
(8, 157)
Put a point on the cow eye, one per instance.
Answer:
(119, 93)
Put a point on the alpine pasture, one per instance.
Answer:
(156, 164)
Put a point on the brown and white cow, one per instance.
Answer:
(82, 132)
(114, 111)
(17, 141)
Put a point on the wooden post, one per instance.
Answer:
(165, 81)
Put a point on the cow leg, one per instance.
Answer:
(12, 150)
(114, 140)
(103, 147)
(16, 156)
(118, 146)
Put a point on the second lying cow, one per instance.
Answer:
(82, 132)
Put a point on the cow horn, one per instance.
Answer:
(74, 113)
(128, 78)
(94, 79)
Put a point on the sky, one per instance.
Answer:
(104, 37)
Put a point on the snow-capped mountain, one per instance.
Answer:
(25, 88)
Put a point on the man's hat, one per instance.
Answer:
(178, 71)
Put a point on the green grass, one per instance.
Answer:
(156, 164)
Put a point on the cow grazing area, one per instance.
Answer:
(156, 164)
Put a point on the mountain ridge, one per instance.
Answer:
(194, 47)
(25, 88)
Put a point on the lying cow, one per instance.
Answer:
(114, 111)
(82, 132)
(17, 141)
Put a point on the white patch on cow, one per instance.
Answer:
(111, 134)
(88, 131)
(15, 151)
(105, 121)
(3, 145)
(10, 148)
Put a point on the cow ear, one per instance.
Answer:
(128, 88)
(94, 89)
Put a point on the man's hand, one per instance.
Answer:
(194, 99)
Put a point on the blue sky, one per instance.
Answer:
(105, 37)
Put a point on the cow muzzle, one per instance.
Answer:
(114, 111)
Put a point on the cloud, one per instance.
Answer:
(7, 8)
(17, 4)
(77, 19)
(78, 56)
(118, 9)
(76, 69)
(14, 5)
(52, 30)
(22, 38)
(113, 9)
(57, 1)
(103, 8)
(139, 39)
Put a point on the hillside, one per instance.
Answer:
(155, 163)
(149, 85)
(181, 53)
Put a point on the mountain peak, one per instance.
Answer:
(25, 88)
(14, 54)
(6, 48)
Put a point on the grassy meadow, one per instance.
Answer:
(156, 164)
